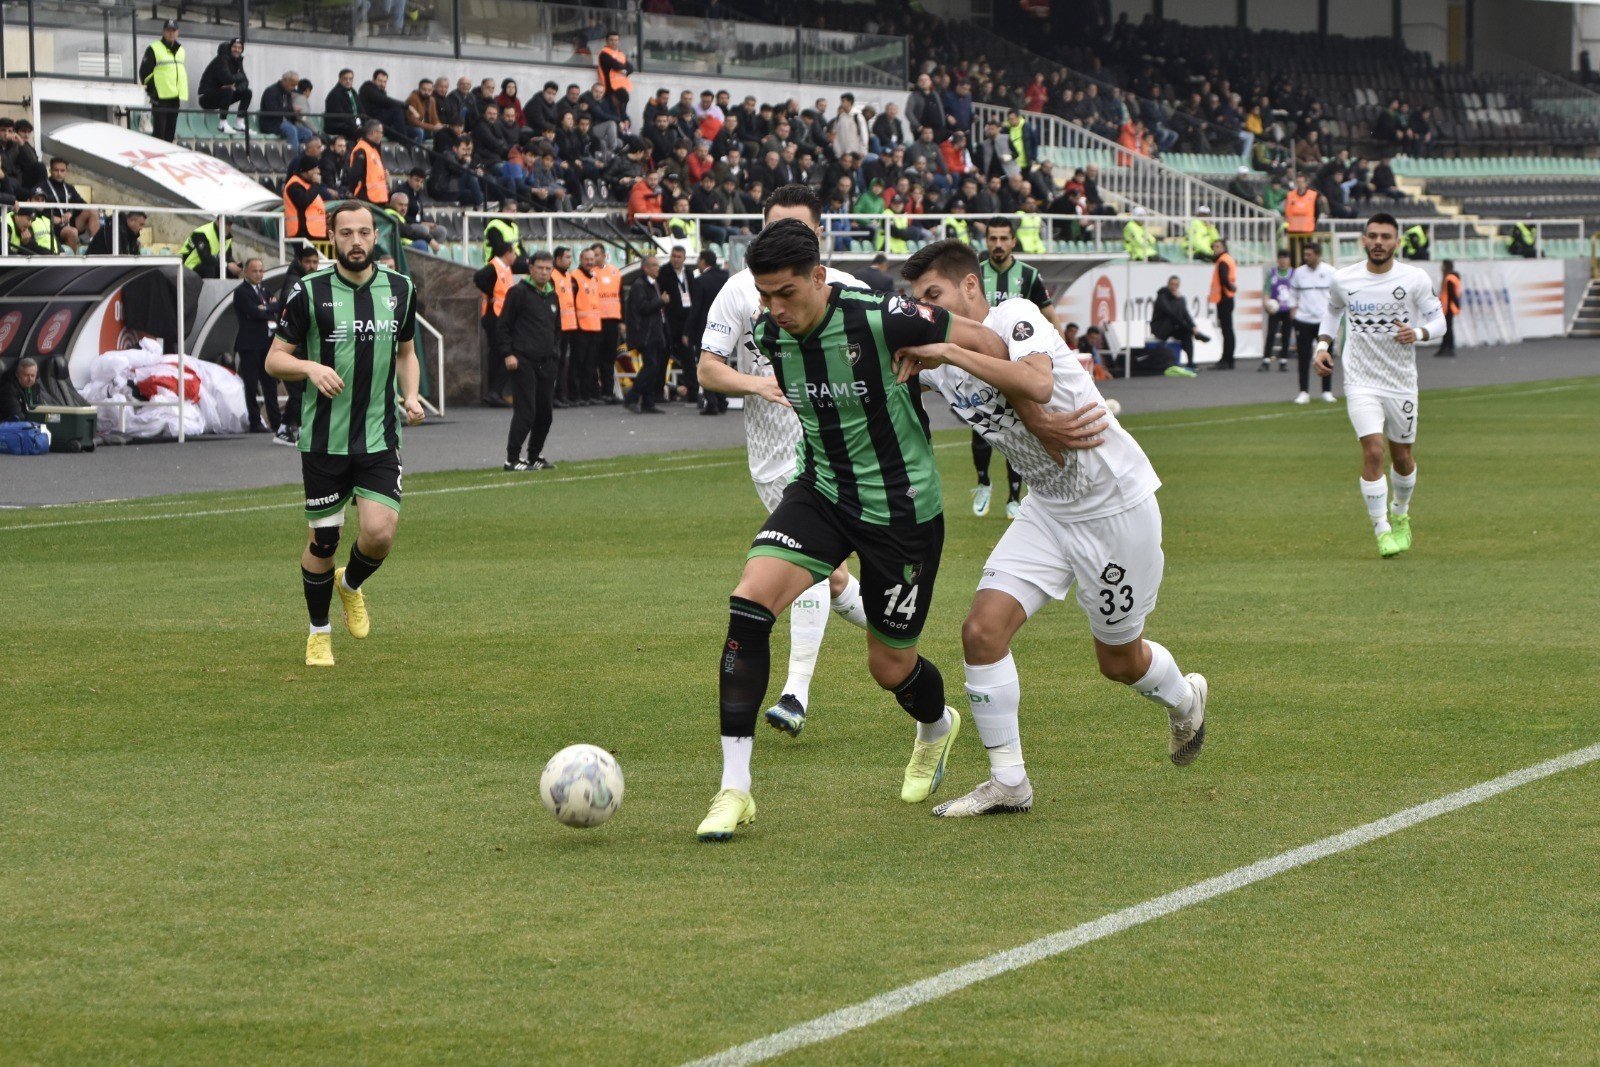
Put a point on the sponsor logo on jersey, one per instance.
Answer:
(1399, 292)
(720, 327)
(323, 501)
(1022, 331)
(782, 538)
(1112, 574)
(828, 394)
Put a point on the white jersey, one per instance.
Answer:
(1310, 290)
(1371, 305)
(1095, 482)
(772, 431)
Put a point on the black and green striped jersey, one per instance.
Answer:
(358, 332)
(865, 442)
(1019, 279)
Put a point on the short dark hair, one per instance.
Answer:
(1002, 220)
(708, 258)
(369, 125)
(848, 96)
(787, 244)
(418, 172)
(379, 71)
(1383, 218)
(345, 71)
(1283, 253)
(552, 85)
(540, 256)
(349, 205)
(795, 194)
(950, 259)
(559, 249)
(1311, 246)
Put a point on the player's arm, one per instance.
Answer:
(407, 369)
(716, 375)
(1059, 431)
(1322, 362)
(1030, 378)
(1430, 315)
(976, 337)
(1040, 298)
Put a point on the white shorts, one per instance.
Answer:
(771, 490)
(1393, 416)
(1116, 563)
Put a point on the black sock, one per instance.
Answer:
(360, 567)
(745, 666)
(922, 693)
(319, 594)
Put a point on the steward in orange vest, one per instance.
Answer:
(1224, 286)
(613, 70)
(369, 180)
(304, 213)
(494, 280)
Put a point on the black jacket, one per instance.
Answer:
(127, 240)
(277, 104)
(667, 282)
(15, 401)
(703, 290)
(256, 312)
(876, 280)
(1170, 316)
(375, 102)
(224, 70)
(645, 324)
(342, 106)
(530, 324)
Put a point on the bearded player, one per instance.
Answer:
(1090, 520)
(355, 322)
(1388, 308)
(772, 435)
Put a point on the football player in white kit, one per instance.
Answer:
(1389, 308)
(1090, 519)
(772, 437)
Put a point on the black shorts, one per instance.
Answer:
(330, 480)
(899, 564)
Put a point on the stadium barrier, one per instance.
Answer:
(1466, 237)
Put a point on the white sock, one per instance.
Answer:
(1403, 486)
(736, 762)
(328, 629)
(808, 617)
(344, 584)
(847, 605)
(1376, 495)
(1164, 683)
(994, 693)
(934, 731)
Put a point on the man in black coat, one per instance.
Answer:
(677, 289)
(376, 103)
(256, 311)
(1170, 320)
(342, 107)
(876, 276)
(703, 290)
(647, 333)
(529, 334)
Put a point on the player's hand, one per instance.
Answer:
(1405, 334)
(326, 379)
(414, 414)
(511, 363)
(1322, 363)
(1061, 431)
(769, 390)
(914, 358)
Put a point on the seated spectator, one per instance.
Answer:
(376, 103)
(224, 84)
(509, 104)
(626, 168)
(645, 199)
(1170, 320)
(280, 113)
(31, 234)
(69, 226)
(422, 110)
(460, 108)
(455, 179)
(335, 165)
(543, 184)
(423, 236)
(539, 114)
(129, 225)
(19, 391)
(1422, 133)
(1383, 182)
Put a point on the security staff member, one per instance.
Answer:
(494, 281)
(529, 333)
(1301, 208)
(502, 232)
(305, 215)
(613, 69)
(1414, 242)
(1523, 242)
(209, 253)
(369, 179)
(609, 280)
(32, 234)
(561, 278)
(1202, 235)
(1224, 287)
(1137, 241)
(1450, 298)
(586, 350)
(166, 80)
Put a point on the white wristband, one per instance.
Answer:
(1322, 346)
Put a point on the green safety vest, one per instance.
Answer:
(1526, 232)
(44, 235)
(191, 248)
(1201, 236)
(1136, 240)
(509, 235)
(1017, 145)
(958, 229)
(885, 238)
(1029, 239)
(689, 226)
(170, 78)
(1414, 240)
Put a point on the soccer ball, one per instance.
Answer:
(1273, 306)
(1113, 405)
(581, 785)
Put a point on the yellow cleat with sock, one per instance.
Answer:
(928, 762)
(319, 650)
(356, 619)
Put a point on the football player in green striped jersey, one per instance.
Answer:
(354, 324)
(866, 482)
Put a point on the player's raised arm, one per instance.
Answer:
(1028, 379)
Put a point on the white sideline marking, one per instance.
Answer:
(886, 1005)
(535, 480)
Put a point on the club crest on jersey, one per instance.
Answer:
(1112, 574)
(853, 354)
(1022, 331)
(913, 571)
(1399, 292)
(392, 301)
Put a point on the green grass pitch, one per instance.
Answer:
(210, 853)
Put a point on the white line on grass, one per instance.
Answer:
(836, 1023)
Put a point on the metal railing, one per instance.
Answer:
(1454, 238)
(111, 215)
(1125, 178)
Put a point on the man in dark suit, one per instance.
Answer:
(876, 276)
(703, 289)
(256, 311)
(676, 284)
(1170, 320)
(647, 333)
